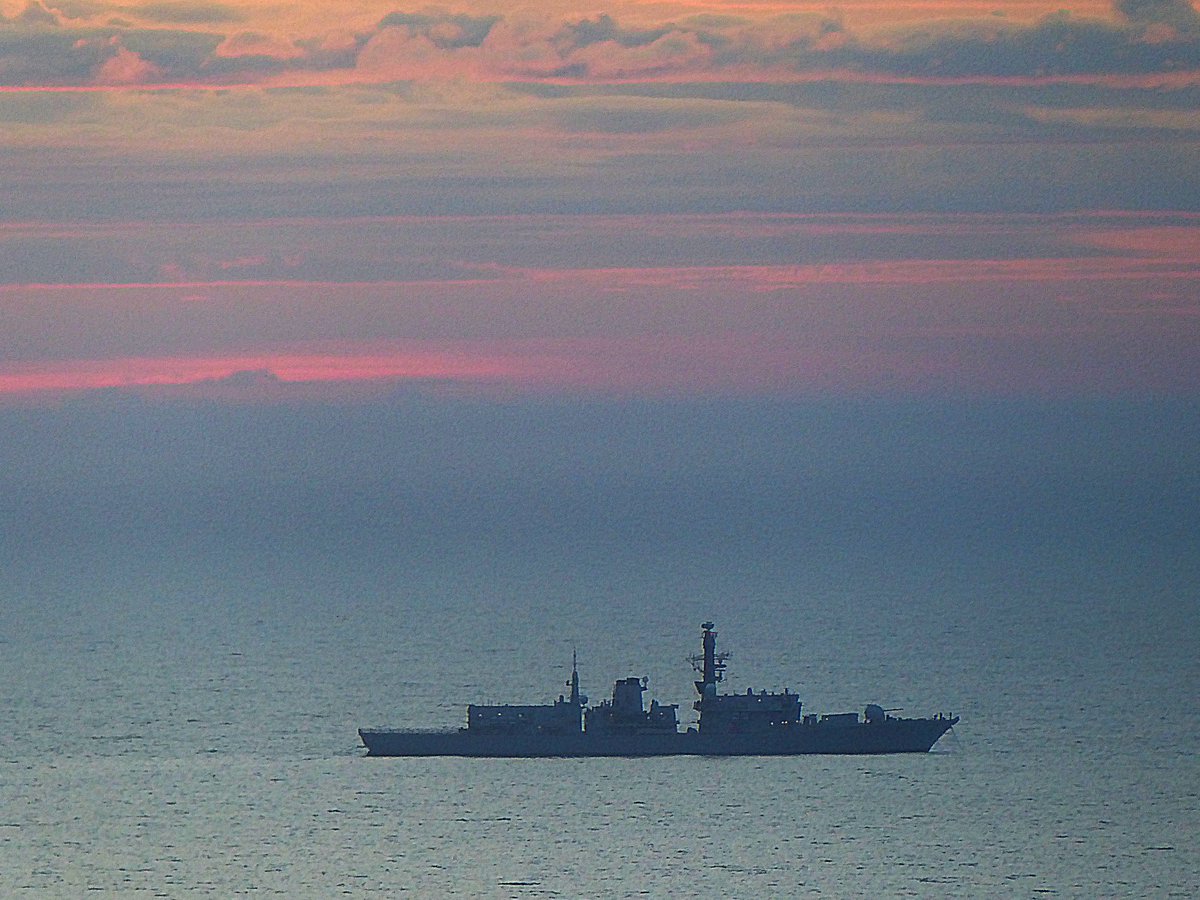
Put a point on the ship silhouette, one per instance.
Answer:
(759, 723)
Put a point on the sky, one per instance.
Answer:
(595, 310)
(254, 200)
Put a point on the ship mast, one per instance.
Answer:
(711, 664)
(574, 682)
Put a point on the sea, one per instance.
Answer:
(201, 603)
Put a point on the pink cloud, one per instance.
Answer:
(1180, 242)
(394, 53)
(635, 365)
(1123, 314)
(674, 53)
(58, 376)
(126, 67)
(918, 353)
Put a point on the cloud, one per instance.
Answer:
(126, 67)
(79, 9)
(1178, 14)
(655, 303)
(777, 48)
(1056, 46)
(1150, 36)
(35, 13)
(257, 375)
(399, 53)
(253, 43)
(672, 52)
(602, 49)
(446, 31)
(694, 113)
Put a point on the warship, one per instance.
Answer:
(751, 724)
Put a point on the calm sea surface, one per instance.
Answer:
(179, 716)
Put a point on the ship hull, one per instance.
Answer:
(890, 736)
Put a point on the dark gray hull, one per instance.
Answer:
(890, 736)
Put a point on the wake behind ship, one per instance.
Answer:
(750, 724)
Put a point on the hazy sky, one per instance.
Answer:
(571, 315)
(253, 198)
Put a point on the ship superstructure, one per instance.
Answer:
(750, 724)
(736, 713)
(626, 713)
(563, 716)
